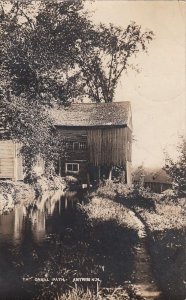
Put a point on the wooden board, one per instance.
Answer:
(11, 165)
(109, 146)
(7, 159)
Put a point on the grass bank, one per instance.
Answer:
(167, 244)
(164, 218)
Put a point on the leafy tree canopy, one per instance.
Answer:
(52, 49)
(52, 53)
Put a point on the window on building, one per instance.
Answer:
(82, 145)
(72, 167)
(76, 146)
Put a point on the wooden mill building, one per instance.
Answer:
(97, 137)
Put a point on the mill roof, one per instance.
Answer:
(93, 114)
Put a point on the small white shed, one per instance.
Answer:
(11, 166)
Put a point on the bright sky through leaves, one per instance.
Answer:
(158, 93)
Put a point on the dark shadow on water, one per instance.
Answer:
(58, 240)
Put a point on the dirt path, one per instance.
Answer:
(143, 277)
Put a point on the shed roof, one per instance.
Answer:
(93, 114)
(152, 175)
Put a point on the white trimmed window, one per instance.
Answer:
(72, 168)
(83, 145)
(75, 146)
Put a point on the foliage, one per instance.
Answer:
(166, 228)
(30, 126)
(111, 189)
(110, 211)
(106, 54)
(106, 189)
(53, 50)
(167, 243)
(37, 41)
(52, 54)
(177, 170)
(168, 253)
(29, 61)
(138, 175)
(133, 196)
(118, 293)
(169, 214)
(12, 193)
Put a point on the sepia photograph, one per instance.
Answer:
(92, 150)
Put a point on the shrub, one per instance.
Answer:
(177, 170)
(119, 293)
(110, 189)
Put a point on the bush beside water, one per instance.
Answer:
(167, 245)
(164, 216)
(12, 193)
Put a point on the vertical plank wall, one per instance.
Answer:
(7, 159)
(10, 162)
(109, 146)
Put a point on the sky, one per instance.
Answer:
(158, 92)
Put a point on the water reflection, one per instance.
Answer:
(29, 236)
(13, 224)
(41, 210)
(7, 226)
(19, 214)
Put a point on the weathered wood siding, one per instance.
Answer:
(128, 173)
(109, 146)
(80, 156)
(105, 147)
(7, 159)
(73, 135)
(129, 144)
(10, 161)
(19, 162)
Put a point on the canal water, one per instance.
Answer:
(37, 244)
(48, 247)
